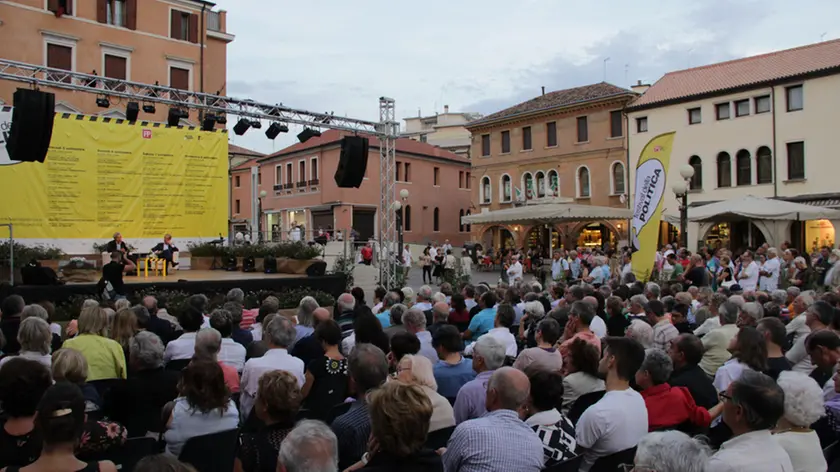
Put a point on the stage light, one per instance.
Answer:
(230, 264)
(256, 124)
(241, 126)
(275, 129)
(175, 115)
(307, 134)
(270, 265)
(149, 108)
(103, 102)
(209, 122)
(249, 264)
(221, 119)
(132, 111)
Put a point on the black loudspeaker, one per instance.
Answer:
(317, 269)
(270, 265)
(353, 162)
(32, 125)
(37, 275)
(132, 111)
(230, 264)
(249, 264)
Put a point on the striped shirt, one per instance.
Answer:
(497, 441)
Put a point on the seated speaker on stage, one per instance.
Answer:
(118, 245)
(167, 250)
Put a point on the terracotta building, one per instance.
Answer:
(145, 41)
(300, 190)
(563, 147)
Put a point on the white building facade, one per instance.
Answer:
(445, 130)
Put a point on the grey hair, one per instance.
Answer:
(653, 289)
(804, 403)
(35, 310)
(658, 365)
(34, 335)
(754, 310)
(235, 295)
(280, 332)
(672, 450)
(793, 291)
(425, 292)
(397, 311)
(208, 343)
(640, 300)
(510, 397)
(807, 298)
(535, 310)
(738, 300)
(762, 414)
(773, 251)
(491, 350)
(641, 332)
(310, 447)
(778, 296)
(414, 319)
(668, 302)
(306, 308)
(438, 297)
(390, 299)
(728, 312)
(701, 315)
(121, 304)
(89, 303)
(536, 287)
(146, 349)
(346, 303)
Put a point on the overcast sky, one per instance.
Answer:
(484, 55)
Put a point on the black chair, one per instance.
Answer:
(104, 387)
(438, 439)
(582, 403)
(211, 452)
(613, 461)
(570, 465)
(178, 365)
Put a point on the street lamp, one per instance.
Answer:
(680, 189)
(398, 206)
(263, 194)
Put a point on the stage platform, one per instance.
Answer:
(190, 281)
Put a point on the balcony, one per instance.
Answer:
(314, 182)
(278, 187)
(301, 183)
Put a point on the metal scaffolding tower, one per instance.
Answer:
(386, 130)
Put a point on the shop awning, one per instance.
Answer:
(757, 208)
(548, 213)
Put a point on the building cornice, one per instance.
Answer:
(597, 153)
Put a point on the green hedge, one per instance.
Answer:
(289, 250)
(24, 254)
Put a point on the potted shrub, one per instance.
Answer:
(295, 257)
(79, 269)
(202, 255)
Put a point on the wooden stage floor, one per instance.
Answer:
(201, 276)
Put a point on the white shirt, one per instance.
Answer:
(423, 306)
(347, 344)
(798, 356)
(503, 335)
(432, 252)
(626, 269)
(749, 277)
(804, 450)
(406, 258)
(44, 359)
(514, 272)
(559, 268)
(274, 359)
(598, 326)
(708, 325)
(232, 353)
(771, 282)
(256, 331)
(729, 372)
(470, 302)
(181, 348)
(449, 262)
(617, 422)
(377, 307)
(750, 452)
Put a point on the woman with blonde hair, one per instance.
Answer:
(105, 357)
(803, 407)
(123, 328)
(417, 370)
(121, 304)
(69, 365)
(35, 338)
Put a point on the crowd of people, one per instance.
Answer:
(595, 372)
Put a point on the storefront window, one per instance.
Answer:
(819, 233)
(596, 235)
(719, 236)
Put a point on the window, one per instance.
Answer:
(289, 173)
(796, 160)
(302, 171)
(179, 78)
(696, 182)
(794, 98)
(461, 179)
(505, 142)
(469, 226)
(618, 179)
(641, 125)
(407, 172)
(485, 144)
(540, 184)
(553, 183)
(764, 165)
(397, 171)
(616, 130)
(505, 197)
(528, 185)
(436, 220)
(313, 169)
(582, 129)
(762, 104)
(116, 12)
(436, 176)
(467, 178)
(183, 26)
(526, 138)
(259, 179)
(694, 116)
(424, 138)
(236, 181)
(238, 207)
(742, 108)
(460, 224)
(724, 170)
(60, 7)
(486, 188)
(278, 175)
(59, 57)
(583, 182)
(743, 164)
(551, 134)
(116, 67)
(722, 111)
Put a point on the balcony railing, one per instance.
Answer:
(301, 183)
(214, 21)
(314, 182)
(278, 187)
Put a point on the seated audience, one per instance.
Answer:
(580, 317)
(204, 406)
(122, 327)
(581, 369)
(279, 334)
(555, 431)
(22, 384)
(488, 355)
(402, 344)
(309, 348)
(641, 331)
(460, 314)
(69, 365)
(277, 406)
(619, 420)
(545, 355)
(824, 350)
(231, 353)
(716, 342)
(686, 352)
(208, 343)
(326, 378)
(240, 335)
(803, 407)
(498, 440)
(617, 323)
(663, 331)
(671, 451)
(416, 370)
(453, 370)
(484, 320)
(35, 340)
(440, 317)
(105, 357)
(310, 446)
(368, 370)
(366, 330)
(775, 337)
(395, 314)
(414, 322)
(346, 306)
(667, 407)
(501, 330)
(162, 463)
(752, 404)
(45, 311)
(749, 351)
(160, 321)
(184, 346)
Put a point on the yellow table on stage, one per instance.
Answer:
(158, 265)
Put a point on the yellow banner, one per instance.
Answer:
(651, 172)
(102, 176)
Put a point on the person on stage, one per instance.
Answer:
(166, 250)
(118, 245)
(112, 284)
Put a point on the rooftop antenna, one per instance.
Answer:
(822, 37)
(605, 68)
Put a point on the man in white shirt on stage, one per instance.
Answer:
(770, 271)
(748, 277)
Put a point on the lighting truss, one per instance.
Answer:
(388, 252)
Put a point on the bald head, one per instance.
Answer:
(508, 389)
(346, 302)
(591, 301)
(321, 314)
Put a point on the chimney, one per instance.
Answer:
(543, 89)
(640, 88)
(446, 108)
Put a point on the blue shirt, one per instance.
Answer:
(482, 322)
(575, 268)
(498, 440)
(450, 378)
(384, 318)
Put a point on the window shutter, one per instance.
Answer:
(102, 11)
(131, 14)
(179, 78)
(59, 57)
(115, 67)
(193, 28)
(175, 31)
(52, 5)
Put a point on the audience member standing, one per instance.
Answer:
(488, 355)
(279, 334)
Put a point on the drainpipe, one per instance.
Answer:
(201, 72)
(775, 170)
(627, 184)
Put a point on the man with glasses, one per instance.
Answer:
(751, 407)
